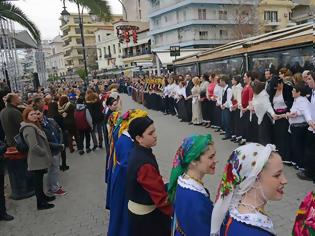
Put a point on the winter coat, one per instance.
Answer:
(11, 118)
(95, 107)
(39, 156)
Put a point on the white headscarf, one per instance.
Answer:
(239, 176)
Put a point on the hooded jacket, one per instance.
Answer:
(88, 117)
(39, 155)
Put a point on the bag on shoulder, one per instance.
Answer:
(21, 145)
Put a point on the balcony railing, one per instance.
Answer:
(108, 56)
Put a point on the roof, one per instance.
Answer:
(285, 37)
(22, 40)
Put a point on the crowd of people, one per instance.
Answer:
(38, 127)
(272, 118)
(274, 108)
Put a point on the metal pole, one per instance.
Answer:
(125, 10)
(83, 44)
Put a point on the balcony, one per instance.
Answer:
(139, 53)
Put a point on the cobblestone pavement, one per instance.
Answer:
(81, 211)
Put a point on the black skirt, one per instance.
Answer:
(281, 138)
(265, 131)
(182, 111)
(153, 224)
(205, 110)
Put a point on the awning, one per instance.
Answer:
(166, 58)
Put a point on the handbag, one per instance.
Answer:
(21, 145)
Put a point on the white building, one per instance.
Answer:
(109, 51)
(197, 23)
(55, 62)
(136, 10)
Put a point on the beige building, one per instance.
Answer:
(73, 51)
(274, 15)
(303, 11)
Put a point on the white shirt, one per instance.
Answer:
(166, 90)
(181, 92)
(217, 92)
(278, 102)
(262, 105)
(237, 93)
(172, 90)
(302, 107)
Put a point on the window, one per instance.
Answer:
(202, 14)
(109, 50)
(76, 20)
(114, 48)
(223, 34)
(99, 52)
(271, 16)
(184, 14)
(222, 15)
(77, 30)
(104, 50)
(165, 18)
(99, 38)
(140, 14)
(203, 35)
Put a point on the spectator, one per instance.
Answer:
(39, 157)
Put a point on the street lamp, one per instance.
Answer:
(65, 16)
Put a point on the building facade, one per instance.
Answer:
(199, 23)
(274, 15)
(135, 10)
(55, 62)
(73, 51)
(303, 11)
(109, 51)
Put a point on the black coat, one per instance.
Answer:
(287, 95)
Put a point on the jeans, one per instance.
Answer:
(97, 128)
(226, 122)
(53, 174)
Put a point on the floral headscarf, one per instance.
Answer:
(191, 149)
(239, 176)
(125, 120)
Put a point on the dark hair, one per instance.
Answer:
(80, 100)
(205, 76)
(238, 79)
(110, 101)
(258, 86)
(312, 74)
(301, 88)
(224, 78)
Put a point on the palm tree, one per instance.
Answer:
(100, 8)
(8, 11)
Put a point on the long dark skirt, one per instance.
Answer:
(182, 112)
(253, 129)
(217, 116)
(281, 138)
(188, 104)
(212, 110)
(245, 126)
(153, 224)
(265, 131)
(205, 110)
(236, 120)
(297, 145)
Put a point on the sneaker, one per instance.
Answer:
(6, 217)
(45, 206)
(81, 152)
(88, 150)
(301, 175)
(60, 192)
(100, 146)
(94, 148)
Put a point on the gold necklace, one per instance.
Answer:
(197, 180)
(259, 209)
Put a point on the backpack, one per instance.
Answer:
(305, 217)
(21, 145)
(80, 120)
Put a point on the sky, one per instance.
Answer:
(45, 14)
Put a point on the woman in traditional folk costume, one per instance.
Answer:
(148, 207)
(111, 156)
(252, 177)
(118, 220)
(193, 208)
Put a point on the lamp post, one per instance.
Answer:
(65, 16)
(125, 10)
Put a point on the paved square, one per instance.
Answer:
(81, 211)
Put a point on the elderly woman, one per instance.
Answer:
(252, 177)
(39, 156)
(194, 159)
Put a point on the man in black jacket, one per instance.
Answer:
(189, 87)
(3, 213)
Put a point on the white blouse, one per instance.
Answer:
(302, 107)
(278, 102)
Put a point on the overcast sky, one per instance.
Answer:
(45, 14)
